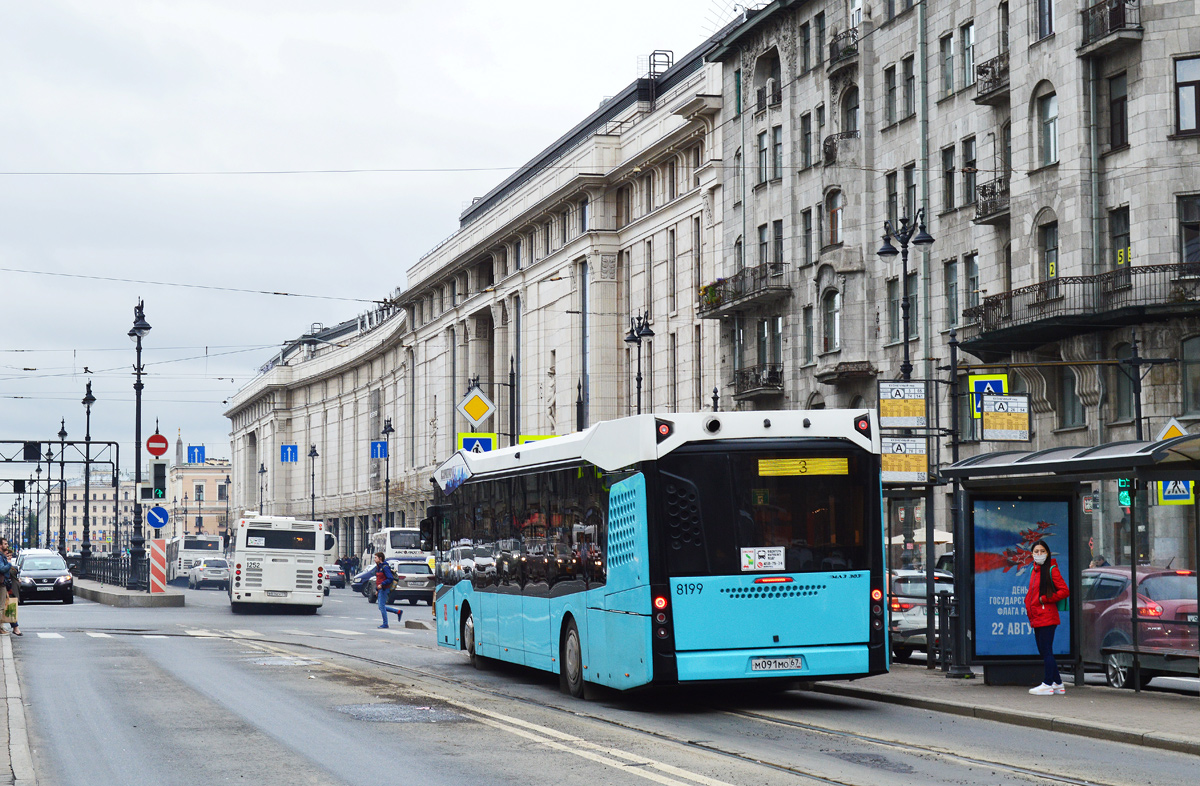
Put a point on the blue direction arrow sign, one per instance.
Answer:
(157, 517)
(195, 454)
(289, 454)
(379, 449)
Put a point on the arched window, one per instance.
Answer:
(1123, 385)
(815, 401)
(1070, 407)
(850, 110)
(1191, 375)
(737, 177)
(835, 204)
(831, 318)
(739, 260)
(858, 402)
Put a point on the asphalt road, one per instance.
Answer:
(201, 696)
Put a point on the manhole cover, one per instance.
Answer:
(399, 713)
(279, 660)
(874, 761)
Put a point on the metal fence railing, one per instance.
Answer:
(991, 198)
(844, 45)
(742, 285)
(114, 571)
(1108, 17)
(830, 146)
(764, 377)
(991, 75)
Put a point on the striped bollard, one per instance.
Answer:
(158, 565)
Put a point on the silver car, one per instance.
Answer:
(212, 571)
(908, 605)
(414, 582)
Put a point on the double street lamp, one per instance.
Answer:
(639, 328)
(62, 483)
(313, 455)
(908, 232)
(387, 469)
(228, 491)
(137, 545)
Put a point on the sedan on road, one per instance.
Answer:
(209, 571)
(43, 575)
(337, 576)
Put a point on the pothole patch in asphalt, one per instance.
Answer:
(399, 713)
(875, 762)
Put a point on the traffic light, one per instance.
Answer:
(157, 490)
(1125, 492)
(31, 451)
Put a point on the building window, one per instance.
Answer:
(967, 39)
(516, 265)
(805, 49)
(910, 190)
(1049, 248)
(1048, 121)
(1045, 11)
(1118, 227)
(739, 257)
(563, 226)
(820, 22)
(672, 180)
(910, 86)
(806, 140)
(893, 295)
(950, 283)
(1123, 385)
(948, 179)
(763, 242)
(889, 91)
(672, 272)
(806, 235)
(777, 245)
(198, 496)
(649, 282)
(737, 91)
(893, 198)
(223, 492)
(971, 266)
(1118, 127)
(1070, 408)
(947, 49)
(624, 207)
(1003, 24)
(696, 253)
(777, 151)
(583, 221)
(968, 170)
(835, 204)
(762, 157)
(1187, 95)
(850, 110)
(1189, 228)
(737, 177)
(1191, 375)
(820, 120)
(831, 313)
(808, 334)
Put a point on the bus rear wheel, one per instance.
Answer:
(570, 677)
(468, 640)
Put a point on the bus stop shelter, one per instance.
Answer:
(1154, 548)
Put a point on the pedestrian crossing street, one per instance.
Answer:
(234, 633)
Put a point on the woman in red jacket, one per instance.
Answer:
(1046, 589)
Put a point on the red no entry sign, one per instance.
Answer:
(157, 444)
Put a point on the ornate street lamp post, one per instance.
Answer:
(62, 483)
(915, 233)
(639, 328)
(313, 455)
(387, 470)
(262, 471)
(137, 545)
(85, 551)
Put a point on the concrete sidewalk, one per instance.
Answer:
(16, 761)
(111, 595)
(1153, 718)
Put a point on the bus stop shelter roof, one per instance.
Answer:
(1169, 459)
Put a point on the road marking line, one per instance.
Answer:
(399, 632)
(345, 632)
(204, 634)
(246, 634)
(297, 633)
(95, 635)
(153, 636)
(50, 635)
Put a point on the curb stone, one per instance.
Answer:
(20, 757)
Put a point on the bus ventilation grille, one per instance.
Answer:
(771, 591)
(623, 513)
(253, 578)
(304, 579)
(683, 514)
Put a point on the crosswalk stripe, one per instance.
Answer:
(96, 635)
(249, 634)
(50, 635)
(204, 634)
(399, 632)
(152, 636)
(345, 632)
(296, 632)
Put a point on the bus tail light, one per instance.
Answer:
(862, 424)
(774, 580)
(660, 602)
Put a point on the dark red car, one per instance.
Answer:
(1166, 603)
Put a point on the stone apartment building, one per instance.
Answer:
(198, 498)
(1054, 150)
(111, 509)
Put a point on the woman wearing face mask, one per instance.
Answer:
(1046, 589)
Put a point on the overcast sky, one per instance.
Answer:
(96, 93)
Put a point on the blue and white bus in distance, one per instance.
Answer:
(670, 549)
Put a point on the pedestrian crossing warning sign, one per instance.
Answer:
(1175, 492)
(991, 384)
(477, 443)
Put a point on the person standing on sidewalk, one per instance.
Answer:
(1046, 588)
(384, 581)
(9, 588)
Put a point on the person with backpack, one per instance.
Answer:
(384, 581)
(1046, 588)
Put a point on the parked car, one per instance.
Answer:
(337, 576)
(362, 579)
(1166, 603)
(414, 582)
(211, 570)
(43, 575)
(908, 604)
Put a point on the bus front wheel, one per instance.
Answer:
(468, 640)
(570, 676)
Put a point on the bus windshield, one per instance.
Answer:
(402, 539)
(754, 511)
(196, 544)
(291, 540)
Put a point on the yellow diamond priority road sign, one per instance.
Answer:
(476, 407)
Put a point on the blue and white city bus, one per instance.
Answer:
(676, 548)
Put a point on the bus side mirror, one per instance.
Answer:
(427, 534)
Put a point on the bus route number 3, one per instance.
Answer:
(689, 589)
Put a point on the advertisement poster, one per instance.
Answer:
(1004, 531)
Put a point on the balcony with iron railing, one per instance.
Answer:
(765, 379)
(749, 287)
(1109, 26)
(829, 148)
(843, 50)
(992, 201)
(770, 95)
(991, 80)
(1032, 316)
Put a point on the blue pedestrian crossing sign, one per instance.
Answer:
(157, 517)
(477, 443)
(379, 449)
(1175, 492)
(289, 454)
(979, 384)
(195, 454)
